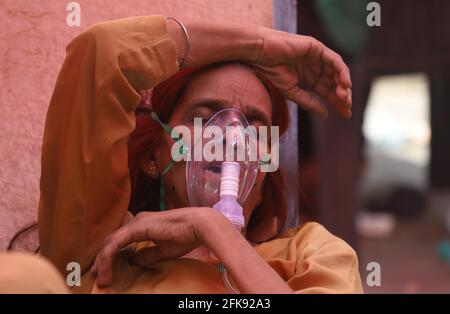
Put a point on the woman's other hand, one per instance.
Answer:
(301, 67)
(175, 232)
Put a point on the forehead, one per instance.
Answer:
(234, 85)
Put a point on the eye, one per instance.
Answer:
(256, 123)
(203, 119)
(201, 113)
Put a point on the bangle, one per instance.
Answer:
(188, 40)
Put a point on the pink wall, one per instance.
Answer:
(33, 37)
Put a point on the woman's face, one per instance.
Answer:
(228, 86)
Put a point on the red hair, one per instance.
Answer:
(142, 141)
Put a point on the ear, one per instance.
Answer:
(144, 163)
(149, 167)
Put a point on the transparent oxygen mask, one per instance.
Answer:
(226, 137)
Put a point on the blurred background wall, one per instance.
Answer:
(381, 181)
(33, 38)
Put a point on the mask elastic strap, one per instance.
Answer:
(264, 162)
(166, 127)
(162, 191)
(183, 148)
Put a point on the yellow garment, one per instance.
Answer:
(308, 258)
(85, 184)
(25, 273)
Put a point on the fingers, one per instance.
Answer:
(344, 95)
(307, 101)
(329, 95)
(335, 65)
(342, 70)
(345, 113)
(147, 256)
(170, 226)
(331, 83)
(334, 83)
(114, 243)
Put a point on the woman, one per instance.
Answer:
(86, 187)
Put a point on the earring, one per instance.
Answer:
(152, 170)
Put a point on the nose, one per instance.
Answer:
(235, 143)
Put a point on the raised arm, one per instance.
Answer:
(85, 185)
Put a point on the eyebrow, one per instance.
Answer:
(250, 112)
(253, 113)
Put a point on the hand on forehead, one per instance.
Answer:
(229, 86)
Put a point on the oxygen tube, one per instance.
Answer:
(229, 207)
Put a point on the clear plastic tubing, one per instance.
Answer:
(229, 206)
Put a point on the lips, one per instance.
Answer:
(214, 167)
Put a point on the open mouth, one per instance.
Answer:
(214, 167)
